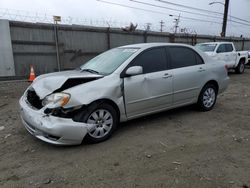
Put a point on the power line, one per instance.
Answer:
(123, 5)
(147, 10)
(158, 6)
(173, 9)
(183, 17)
(199, 20)
(199, 9)
(188, 7)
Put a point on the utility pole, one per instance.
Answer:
(56, 20)
(148, 26)
(224, 25)
(162, 25)
(177, 20)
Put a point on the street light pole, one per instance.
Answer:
(224, 25)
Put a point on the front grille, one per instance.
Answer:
(33, 99)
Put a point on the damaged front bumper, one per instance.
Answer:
(51, 129)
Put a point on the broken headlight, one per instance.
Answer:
(56, 100)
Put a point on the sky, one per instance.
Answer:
(94, 12)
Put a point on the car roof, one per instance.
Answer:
(149, 45)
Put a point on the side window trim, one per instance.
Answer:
(168, 58)
(198, 56)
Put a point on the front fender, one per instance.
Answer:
(109, 87)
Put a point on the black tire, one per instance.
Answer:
(84, 116)
(241, 67)
(201, 103)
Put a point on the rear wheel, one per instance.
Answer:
(240, 68)
(104, 119)
(207, 97)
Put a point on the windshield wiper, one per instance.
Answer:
(91, 71)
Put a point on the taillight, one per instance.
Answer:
(226, 67)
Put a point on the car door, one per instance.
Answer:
(152, 90)
(188, 73)
(231, 55)
(222, 54)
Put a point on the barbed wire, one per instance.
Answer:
(37, 17)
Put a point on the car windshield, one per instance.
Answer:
(206, 47)
(109, 61)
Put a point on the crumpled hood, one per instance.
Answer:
(48, 83)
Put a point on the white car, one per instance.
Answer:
(119, 85)
(225, 51)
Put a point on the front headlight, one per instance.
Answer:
(56, 100)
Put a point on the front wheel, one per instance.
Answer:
(207, 97)
(104, 119)
(240, 68)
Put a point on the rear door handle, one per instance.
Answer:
(166, 75)
(201, 70)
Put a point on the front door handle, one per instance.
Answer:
(166, 75)
(201, 69)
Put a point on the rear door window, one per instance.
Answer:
(183, 57)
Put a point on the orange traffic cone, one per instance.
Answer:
(32, 74)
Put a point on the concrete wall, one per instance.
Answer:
(35, 44)
(6, 55)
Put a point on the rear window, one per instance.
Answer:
(206, 47)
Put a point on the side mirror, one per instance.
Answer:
(135, 70)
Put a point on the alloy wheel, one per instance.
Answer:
(209, 97)
(242, 67)
(103, 121)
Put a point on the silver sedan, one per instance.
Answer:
(118, 85)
